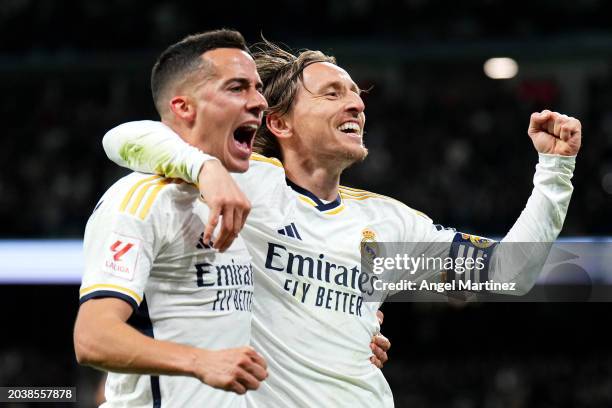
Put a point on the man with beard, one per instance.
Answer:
(310, 319)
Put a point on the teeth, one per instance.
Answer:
(350, 126)
(251, 126)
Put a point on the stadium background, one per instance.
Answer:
(443, 138)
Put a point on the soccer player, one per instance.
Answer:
(310, 320)
(160, 309)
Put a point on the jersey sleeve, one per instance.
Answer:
(152, 147)
(521, 254)
(122, 238)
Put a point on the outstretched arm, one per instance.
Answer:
(520, 256)
(152, 147)
(557, 139)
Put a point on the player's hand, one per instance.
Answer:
(379, 345)
(225, 200)
(554, 133)
(237, 370)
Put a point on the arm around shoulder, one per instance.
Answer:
(152, 147)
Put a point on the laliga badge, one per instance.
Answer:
(121, 255)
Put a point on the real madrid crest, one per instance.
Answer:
(368, 246)
(478, 242)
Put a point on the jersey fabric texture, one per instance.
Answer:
(310, 321)
(143, 244)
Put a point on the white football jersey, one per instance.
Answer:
(143, 244)
(310, 320)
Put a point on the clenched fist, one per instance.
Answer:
(237, 370)
(554, 133)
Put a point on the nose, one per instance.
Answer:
(355, 103)
(256, 103)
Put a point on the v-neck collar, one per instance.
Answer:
(316, 202)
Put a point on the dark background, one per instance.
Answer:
(443, 138)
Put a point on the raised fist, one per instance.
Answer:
(554, 133)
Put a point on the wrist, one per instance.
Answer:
(556, 160)
(206, 165)
(554, 164)
(190, 364)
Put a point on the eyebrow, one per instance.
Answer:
(339, 85)
(244, 82)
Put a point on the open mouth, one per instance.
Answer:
(350, 128)
(243, 137)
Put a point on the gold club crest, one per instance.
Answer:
(478, 242)
(369, 246)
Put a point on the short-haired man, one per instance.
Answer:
(304, 231)
(160, 309)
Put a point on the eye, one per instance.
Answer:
(332, 94)
(236, 89)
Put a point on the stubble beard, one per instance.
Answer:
(350, 157)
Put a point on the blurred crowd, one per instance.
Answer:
(443, 138)
(477, 356)
(440, 382)
(42, 26)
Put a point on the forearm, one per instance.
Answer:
(544, 214)
(520, 256)
(152, 147)
(126, 350)
(109, 343)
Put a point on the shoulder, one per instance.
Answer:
(263, 169)
(263, 164)
(138, 195)
(259, 158)
(379, 202)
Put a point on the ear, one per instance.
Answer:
(182, 108)
(279, 125)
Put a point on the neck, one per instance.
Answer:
(321, 179)
(180, 129)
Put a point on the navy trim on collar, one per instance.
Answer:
(320, 205)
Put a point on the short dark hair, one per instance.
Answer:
(182, 58)
(281, 71)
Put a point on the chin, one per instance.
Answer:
(346, 157)
(237, 165)
(356, 154)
